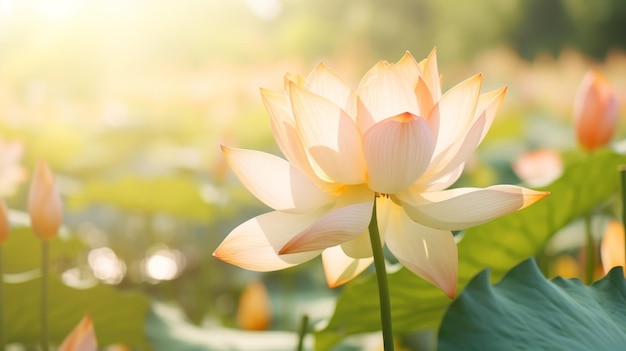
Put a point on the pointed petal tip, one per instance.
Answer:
(533, 196)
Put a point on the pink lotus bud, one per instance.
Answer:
(595, 111)
(44, 203)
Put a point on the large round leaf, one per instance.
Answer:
(525, 311)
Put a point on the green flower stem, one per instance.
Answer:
(2, 340)
(383, 286)
(622, 173)
(589, 260)
(304, 325)
(45, 252)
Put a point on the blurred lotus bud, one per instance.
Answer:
(254, 311)
(539, 167)
(595, 111)
(612, 248)
(566, 266)
(4, 222)
(82, 337)
(44, 203)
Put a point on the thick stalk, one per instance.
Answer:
(383, 286)
(44, 294)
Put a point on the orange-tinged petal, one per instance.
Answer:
(429, 253)
(82, 337)
(326, 83)
(340, 268)
(457, 154)
(5, 227)
(397, 151)
(488, 105)
(424, 99)
(44, 203)
(275, 181)
(612, 247)
(408, 68)
(462, 208)
(331, 137)
(284, 130)
(385, 93)
(456, 111)
(431, 74)
(595, 111)
(254, 244)
(254, 310)
(334, 228)
(462, 149)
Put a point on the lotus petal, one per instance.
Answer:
(340, 268)
(462, 208)
(255, 244)
(334, 228)
(397, 151)
(275, 181)
(429, 253)
(330, 136)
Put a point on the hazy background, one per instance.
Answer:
(128, 101)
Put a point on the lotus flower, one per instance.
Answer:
(44, 203)
(398, 141)
(82, 337)
(595, 111)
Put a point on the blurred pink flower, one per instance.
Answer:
(398, 141)
(44, 203)
(82, 337)
(538, 167)
(595, 111)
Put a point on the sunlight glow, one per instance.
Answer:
(58, 10)
(163, 264)
(106, 265)
(265, 9)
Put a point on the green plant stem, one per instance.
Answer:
(589, 261)
(44, 294)
(622, 176)
(383, 286)
(2, 340)
(304, 325)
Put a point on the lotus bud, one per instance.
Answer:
(595, 111)
(612, 247)
(82, 337)
(254, 311)
(44, 203)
